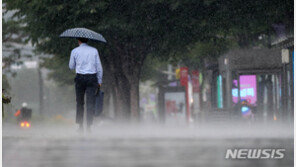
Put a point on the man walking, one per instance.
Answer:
(86, 61)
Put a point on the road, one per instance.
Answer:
(144, 146)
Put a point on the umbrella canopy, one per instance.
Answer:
(82, 33)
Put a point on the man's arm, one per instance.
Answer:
(72, 63)
(99, 69)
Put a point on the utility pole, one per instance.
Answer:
(228, 84)
(285, 61)
(184, 82)
(41, 94)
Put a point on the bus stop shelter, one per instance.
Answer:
(259, 76)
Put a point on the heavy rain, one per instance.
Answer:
(147, 83)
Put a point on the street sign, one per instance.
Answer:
(178, 73)
(195, 81)
(184, 76)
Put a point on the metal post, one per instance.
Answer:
(41, 95)
(291, 69)
(285, 61)
(238, 92)
(187, 104)
(161, 108)
(284, 93)
(228, 86)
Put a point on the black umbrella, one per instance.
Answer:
(82, 33)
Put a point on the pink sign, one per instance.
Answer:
(248, 89)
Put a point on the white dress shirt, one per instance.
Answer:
(86, 60)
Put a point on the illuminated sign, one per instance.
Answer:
(248, 89)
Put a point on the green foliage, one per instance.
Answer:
(197, 52)
(171, 30)
(13, 37)
(236, 23)
(135, 29)
(244, 21)
(151, 69)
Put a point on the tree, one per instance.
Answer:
(246, 21)
(13, 39)
(137, 29)
(133, 30)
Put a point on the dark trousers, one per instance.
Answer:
(85, 84)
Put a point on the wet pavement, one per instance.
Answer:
(125, 146)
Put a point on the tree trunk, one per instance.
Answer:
(122, 91)
(134, 99)
(133, 76)
(125, 64)
(106, 104)
(118, 84)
